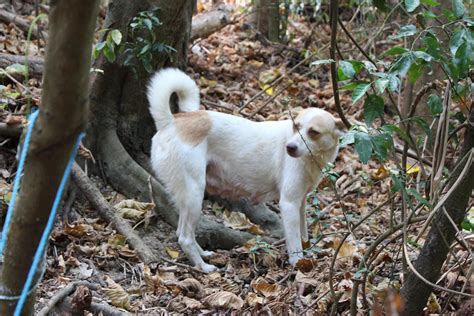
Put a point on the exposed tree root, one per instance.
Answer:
(94, 196)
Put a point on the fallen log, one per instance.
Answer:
(24, 25)
(35, 64)
(204, 24)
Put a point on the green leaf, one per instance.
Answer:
(415, 71)
(381, 84)
(423, 55)
(395, 129)
(16, 70)
(347, 138)
(405, 31)
(369, 67)
(394, 51)
(109, 53)
(116, 36)
(430, 3)
(148, 24)
(461, 60)
(363, 146)
(432, 46)
(345, 71)
(394, 83)
(381, 5)
(425, 126)
(456, 40)
(397, 183)
(359, 91)
(402, 64)
(373, 108)
(411, 5)
(428, 14)
(458, 8)
(435, 104)
(382, 143)
(418, 197)
(349, 87)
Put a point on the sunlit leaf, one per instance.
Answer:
(411, 5)
(359, 91)
(458, 8)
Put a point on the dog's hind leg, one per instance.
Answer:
(190, 212)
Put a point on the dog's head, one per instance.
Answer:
(314, 131)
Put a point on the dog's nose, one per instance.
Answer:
(291, 148)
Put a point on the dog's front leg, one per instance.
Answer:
(303, 224)
(290, 213)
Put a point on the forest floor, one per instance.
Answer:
(231, 66)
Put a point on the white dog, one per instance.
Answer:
(232, 157)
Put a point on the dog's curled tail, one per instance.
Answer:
(160, 88)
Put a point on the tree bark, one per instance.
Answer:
(62, 118)
(268, 19)
(415, 291)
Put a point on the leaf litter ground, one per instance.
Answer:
(231, 66)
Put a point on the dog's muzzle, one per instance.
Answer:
(292, 149)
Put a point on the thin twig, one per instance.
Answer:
(332, 52)
(64, 292)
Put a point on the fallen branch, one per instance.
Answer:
(63, 293)
(94, 196)
(204, 24)
(8, 17)
(35, 64)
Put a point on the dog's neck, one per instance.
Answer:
(316, 162)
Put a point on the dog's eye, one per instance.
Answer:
(313, 133)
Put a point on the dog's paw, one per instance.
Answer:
(294, 260)
(207, 268)
(207, 253)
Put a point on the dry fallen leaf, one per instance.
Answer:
(237, 220)
(265, 288)
(152, 282)
(191, 287)
(253, 299)
(302, 278)
(117, 295)
(133, 210)
(224, 300)
(172, 253)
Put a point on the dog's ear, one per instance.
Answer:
(340, 128)
(340, 124)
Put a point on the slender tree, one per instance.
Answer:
(416, 291)
(61, 119)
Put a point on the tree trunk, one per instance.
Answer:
(122, 127)
(268, 19)
(62, 117)
(415, 291)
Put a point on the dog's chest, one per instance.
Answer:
(233, 186)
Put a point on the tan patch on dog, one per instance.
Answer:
(192, 127)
